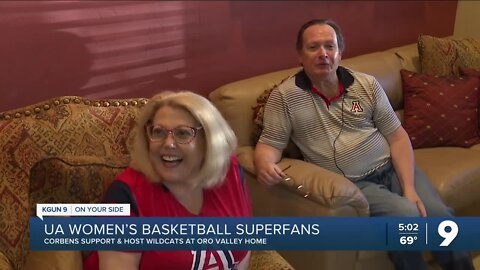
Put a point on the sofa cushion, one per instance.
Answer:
(408, 56)
(440, 111)
(444, 56)
(453, 172)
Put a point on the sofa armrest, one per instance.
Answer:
(312, 182)
(4, 262)
(268, 260)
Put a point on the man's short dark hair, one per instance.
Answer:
(334, 25)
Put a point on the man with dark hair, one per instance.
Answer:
(341, 120)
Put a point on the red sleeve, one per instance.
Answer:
(245, 195)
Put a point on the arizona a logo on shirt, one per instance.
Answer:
(356, 106)
(212, 260)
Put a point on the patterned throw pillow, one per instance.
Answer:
(464, 71)
(71, 179)
(258, 111)
(292, 150)
(443, 57)
(440, 111)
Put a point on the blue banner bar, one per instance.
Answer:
(258, 233)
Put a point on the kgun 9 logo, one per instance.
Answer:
(448, 235)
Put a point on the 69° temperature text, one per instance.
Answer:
(408, 240)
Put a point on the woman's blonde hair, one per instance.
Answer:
(220, 141)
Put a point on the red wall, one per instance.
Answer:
(134, 49)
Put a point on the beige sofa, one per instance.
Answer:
(313, 191)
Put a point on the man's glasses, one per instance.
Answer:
(181, 134)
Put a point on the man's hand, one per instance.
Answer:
(266, 158)
(412, 196)
(270, 173)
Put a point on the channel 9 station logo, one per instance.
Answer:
(410, 233)
(433, 234)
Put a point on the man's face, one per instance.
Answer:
(320, 55)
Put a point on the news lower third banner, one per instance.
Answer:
(256, 233)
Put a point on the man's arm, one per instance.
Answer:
(266, 159)
(404, 164)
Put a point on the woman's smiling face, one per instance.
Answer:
(176, 163)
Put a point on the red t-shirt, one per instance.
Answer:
(147, 199)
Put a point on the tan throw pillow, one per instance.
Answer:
(443, 56)
(440, 111)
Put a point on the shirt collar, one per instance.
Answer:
(302, 80)
(329, 101)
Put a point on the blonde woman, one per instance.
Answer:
(183, 165)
